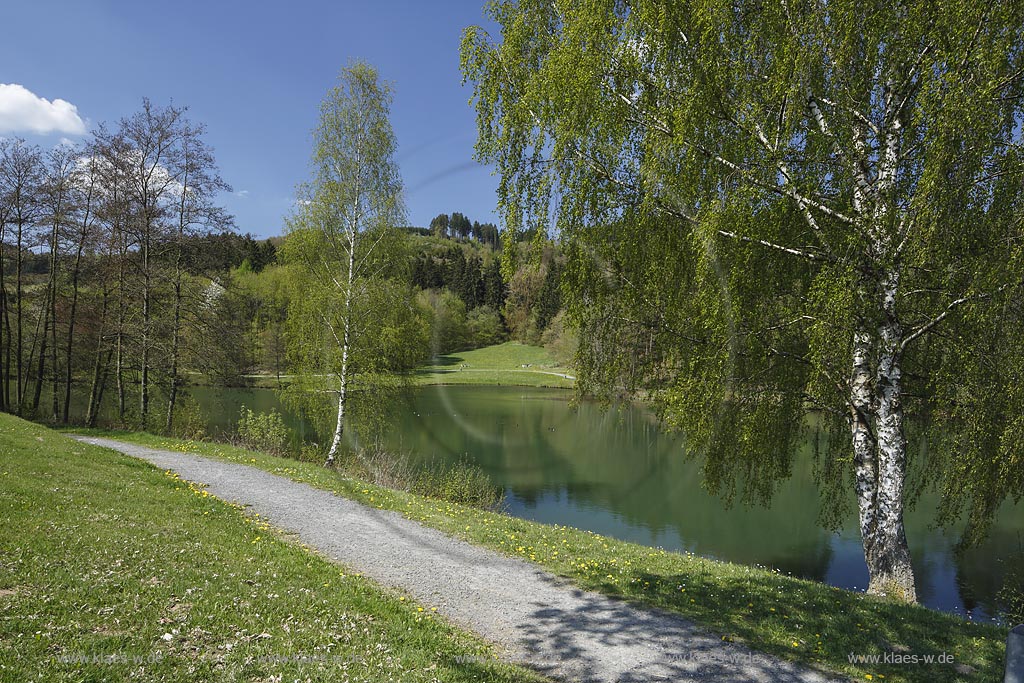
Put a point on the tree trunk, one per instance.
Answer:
(880, 455)
(119, 370)
(172, 396)
(865, 467)
(54, 375)
(20, 394)
(99, 383)
(144, 377)
(54, 370)
(175, 341)
(99, 366)
(70, 343)
(4, 324)
(42, 330)
(342, 390)
(7, 352)
(888, 556)
(339, 426)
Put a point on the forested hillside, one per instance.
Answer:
(123, 280)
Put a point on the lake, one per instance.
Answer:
(616, 474)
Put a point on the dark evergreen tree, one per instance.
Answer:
(459, 226)
(455, 270)
(550, 300)
(489, 235)
(473, 283)
(493, 285)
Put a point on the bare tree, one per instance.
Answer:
(21, 174)
(57, 206)
(195, 211)
(82, 233)
(149, 145)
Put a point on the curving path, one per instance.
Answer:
(538, 620)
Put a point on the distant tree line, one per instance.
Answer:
(467, 301)
(458, 226)
(476, 282)
(222, 251)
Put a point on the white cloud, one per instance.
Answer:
(22, 111)
(243, 194)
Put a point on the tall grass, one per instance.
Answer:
(464, 482)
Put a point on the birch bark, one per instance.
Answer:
(339, 426)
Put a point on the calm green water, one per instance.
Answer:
(616, 474)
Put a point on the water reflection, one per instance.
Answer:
(614, 473)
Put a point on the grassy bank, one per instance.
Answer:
(796, 619)
(508, 364)
(111, 569)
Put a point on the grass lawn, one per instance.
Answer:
(510, 363)
(111, 569)
(792, 618)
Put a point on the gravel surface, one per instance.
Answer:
(535, 618)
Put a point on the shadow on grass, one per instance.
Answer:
(657, 646)
(796, 621)
(478, 668)
(444, 361)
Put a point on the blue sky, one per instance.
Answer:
(254, 74)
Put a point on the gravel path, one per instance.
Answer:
(538, 620)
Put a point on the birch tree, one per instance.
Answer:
(777, 208)
(351, 327)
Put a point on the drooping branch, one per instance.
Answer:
(949, 310)
(842, 388)
(803, 253)
(786, 190)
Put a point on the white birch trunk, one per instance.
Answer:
(887, 555)
(880, 460)
(879, 444)
(865, 467)
(339, 426)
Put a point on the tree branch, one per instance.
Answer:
(931, 324)
(789, 250)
